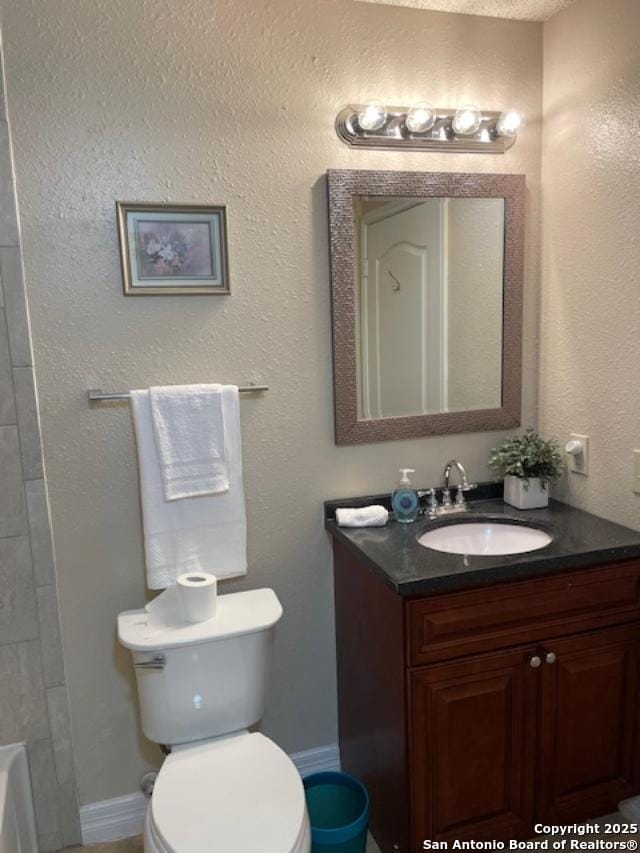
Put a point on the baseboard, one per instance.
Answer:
(317, 760)
(110, 820)
(122, 817)
(631, 810)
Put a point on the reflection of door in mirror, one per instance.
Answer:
(400, 308)
(429, 300)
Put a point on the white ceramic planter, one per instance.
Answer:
(525, 494)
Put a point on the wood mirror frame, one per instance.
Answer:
(343, 185)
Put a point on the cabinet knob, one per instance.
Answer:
(550, 657)
(535, 661)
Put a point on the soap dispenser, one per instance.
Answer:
(404, 499)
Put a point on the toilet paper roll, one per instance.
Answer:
(197, 592)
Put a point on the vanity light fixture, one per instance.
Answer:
(510, 123)
(372, 116)
(467, 120)
(423, 127)
(420, 118)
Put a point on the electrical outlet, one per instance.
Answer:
(636, 472)
(578, 463)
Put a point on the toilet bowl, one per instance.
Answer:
(201, 686)
(240, 793)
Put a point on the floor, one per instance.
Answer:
(127, 845)
(134, 845)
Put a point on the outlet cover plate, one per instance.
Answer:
(636, 472)
(579, 464)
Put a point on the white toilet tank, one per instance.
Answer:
(198, 681)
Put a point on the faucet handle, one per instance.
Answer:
(466, 487)
(432, 500)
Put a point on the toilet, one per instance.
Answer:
(201, 686)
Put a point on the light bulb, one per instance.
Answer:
(510, 123)
(466, 120)
(372, 115)
(420, 118)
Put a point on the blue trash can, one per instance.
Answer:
(338, 807)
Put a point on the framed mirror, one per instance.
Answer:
(426, 279)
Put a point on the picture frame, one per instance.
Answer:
(173, 249)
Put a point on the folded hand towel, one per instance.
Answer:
(365, 516)
(206, 534)
(189, 432)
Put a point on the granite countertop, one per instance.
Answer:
(580, 540)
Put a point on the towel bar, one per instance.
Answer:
(98, 396)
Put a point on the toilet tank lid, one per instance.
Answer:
(236, 614)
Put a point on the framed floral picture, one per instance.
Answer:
(172, 249)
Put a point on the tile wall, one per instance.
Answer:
(33, 697)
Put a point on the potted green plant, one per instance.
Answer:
(528, 463)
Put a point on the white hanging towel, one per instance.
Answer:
(208, 533)
(190, 440)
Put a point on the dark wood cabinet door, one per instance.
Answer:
(588, 722)
(473, 747)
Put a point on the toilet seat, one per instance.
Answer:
(236, 794)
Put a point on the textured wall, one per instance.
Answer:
(34, 706)
(590, 344)
(201, 101)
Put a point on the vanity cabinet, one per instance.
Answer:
(588, 724)
(471, 757)
(476, 714)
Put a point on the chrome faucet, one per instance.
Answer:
(465, 486)
(460, 505)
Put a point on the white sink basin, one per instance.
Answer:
(485, 538)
